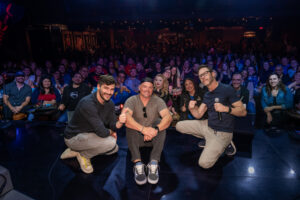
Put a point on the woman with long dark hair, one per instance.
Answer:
(45, 98)
(191, 91)
(276, 99)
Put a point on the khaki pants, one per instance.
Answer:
(90, 145)
(216, 141)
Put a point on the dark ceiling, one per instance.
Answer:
(93, 11)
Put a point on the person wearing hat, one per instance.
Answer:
(147, 118)
(16, 96)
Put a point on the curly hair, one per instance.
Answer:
(165, 88)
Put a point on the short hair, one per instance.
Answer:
(236, 74)
(205, 66)
(107, 80)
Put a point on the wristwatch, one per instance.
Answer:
(229, 111)
(156, 127)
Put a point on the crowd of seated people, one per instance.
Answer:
(272, 83)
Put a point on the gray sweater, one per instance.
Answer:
(91, 116)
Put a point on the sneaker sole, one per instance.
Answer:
(141, 182)
(68, 153)
(82, 168)
(152, 182)
(234, 152)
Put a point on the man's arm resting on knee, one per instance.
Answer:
(132, 124)
(25, 103)
(166, 119)
(6, 102)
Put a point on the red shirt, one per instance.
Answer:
(46, 97)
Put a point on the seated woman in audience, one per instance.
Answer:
(36, 77)
(275, 100)
(161, 89)
(45, 99)
(191, 91)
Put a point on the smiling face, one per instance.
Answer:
(146, 89)
(236, 81)
(274, 80)
(205, 76)
(46, 83)
(189, 86)
(106, 91)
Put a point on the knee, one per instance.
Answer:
(180, 127)
(205, 164)
(111, 143)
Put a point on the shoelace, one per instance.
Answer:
(153, 168)
(139, 169)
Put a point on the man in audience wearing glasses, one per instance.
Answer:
(147, 118)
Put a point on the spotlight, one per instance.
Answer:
(251, 170)
(292, 172)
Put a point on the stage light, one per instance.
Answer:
(261, 28)
(251, 170)
(249, 34)
(292, 172)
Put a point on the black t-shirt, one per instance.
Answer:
(71, 96)
(226, 96)
(91, 116)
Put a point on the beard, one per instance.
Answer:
(102, 96)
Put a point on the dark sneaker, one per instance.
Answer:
(153, 172)
(139, 173)
(230, 149)
(201, 143)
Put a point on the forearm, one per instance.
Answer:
(277, 107)
(50, 102)
(25, 103)
(6, 102)
(164, 123)
(239, 111)
(132, 124)
(195, 112)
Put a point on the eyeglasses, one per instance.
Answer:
(145, 114)
(204, 74)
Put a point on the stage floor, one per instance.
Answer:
(267, 169)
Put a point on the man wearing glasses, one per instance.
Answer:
(147, 117)
(221, 104)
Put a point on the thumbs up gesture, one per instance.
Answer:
(122, 117)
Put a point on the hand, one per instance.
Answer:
(183, 108)
(269, 118)
(113, 134)
(61, 107)
(14, 110)
(124, 88)
(150, 132)
(122, 117)
(147, 138)
(192, 104)
(18, 109)
(221, 108)
(268, 109)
